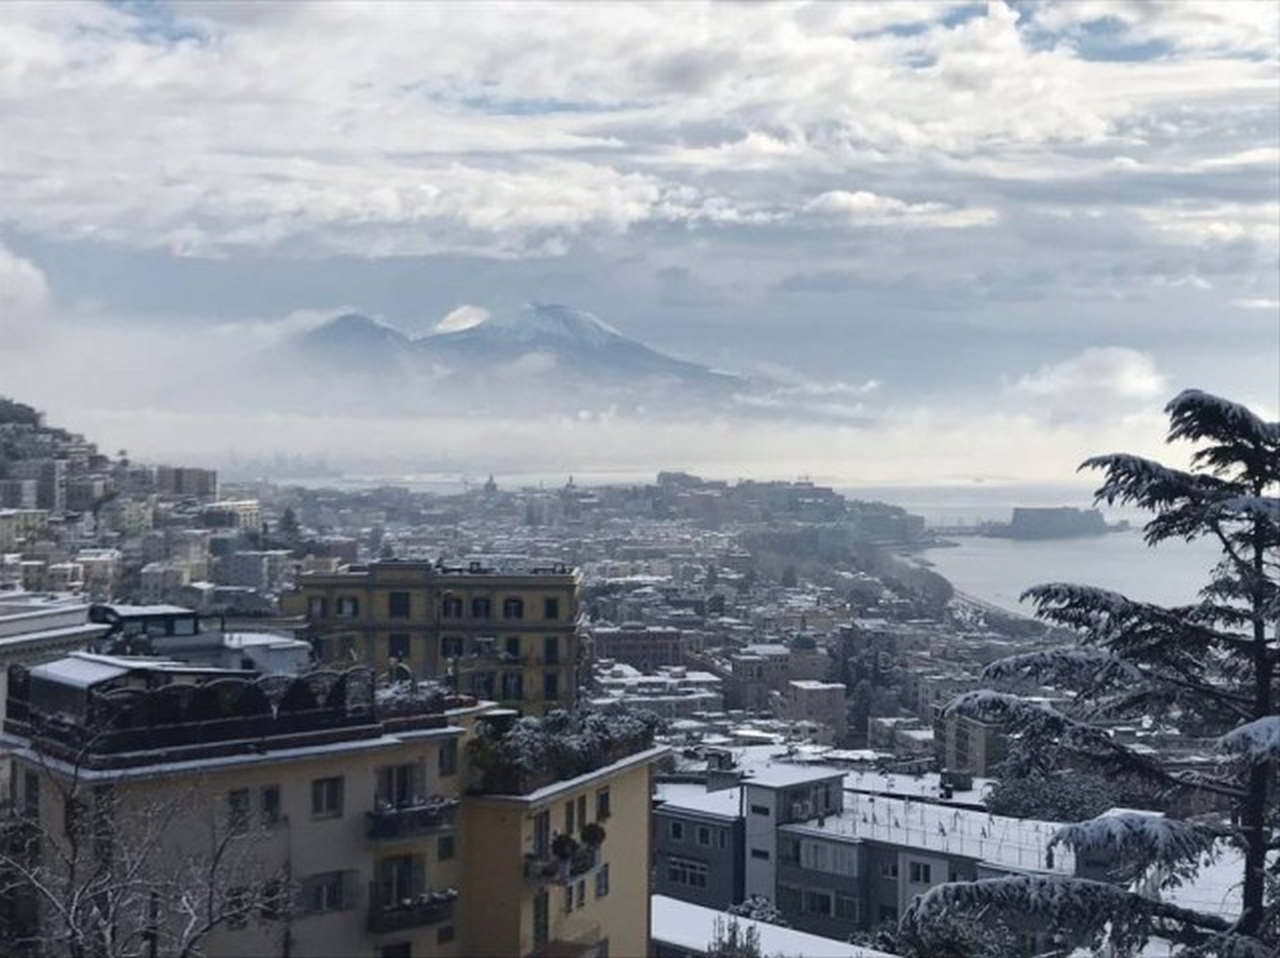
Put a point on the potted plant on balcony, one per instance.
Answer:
(593, 834)
(563, 847)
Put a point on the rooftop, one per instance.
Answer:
(692, 927)
(694, 797)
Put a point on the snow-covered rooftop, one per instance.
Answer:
(696, 798)
(1008, 842)
(692, 927)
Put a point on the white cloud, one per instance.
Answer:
(24, 301)
(1099, 384)
(464, 317)
(863, 208)
(1271, 305)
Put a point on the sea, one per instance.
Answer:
(998, 570)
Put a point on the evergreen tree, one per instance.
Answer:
(1208, 668)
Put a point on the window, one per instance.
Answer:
(451, 647)
(512, 686)
(238, 809)
(348, 606)
(451, 607)
(270, 805)
(512, 647)
(720, 834)
(704, 835)
(551, 650)
(760, 854)
(398, 605)
(399, 785)
(326, 798)
(602, 804)
(445, 848)
(481, 607)
(816, 856)
(399, 877)
(445, 934)
(568, 818)
(513, 608)
(684, 871)
(541, 916)
(237, 906)
(888, 869)
(602, 881)
(920, 873)
(31, 795)
(542, 833)
(582, 810)
(324, 892)
(550, 686)
(317, 607)
(759, 809)
(401, 949)
(677, 831)
(551, 608)
(789, 898)
(449, 757)
(582, 893)
(846, 908)
(888, 913)
(398, 645)
(817, 902)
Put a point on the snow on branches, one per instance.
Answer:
(1132, 843)
(1256, 742)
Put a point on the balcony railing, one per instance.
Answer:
(429, 908)
(547, 867)
(418, 818)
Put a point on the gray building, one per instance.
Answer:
(698, 844)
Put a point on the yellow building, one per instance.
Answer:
(511, 638)
(337, 814)
(590, 902)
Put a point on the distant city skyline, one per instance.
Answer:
(992, 239)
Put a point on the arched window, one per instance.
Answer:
(513, 608)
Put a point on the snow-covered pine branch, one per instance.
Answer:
(1090, 912)
(1078, 667)
(1255, 742)
(1134, 842)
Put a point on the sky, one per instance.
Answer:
(1008, 232)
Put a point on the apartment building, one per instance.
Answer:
(833, 859)
(342, 808)
(968, 745)
(644, 646)
(533, 898)
(509, 637)
(809, 700)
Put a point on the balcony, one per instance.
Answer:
(434, 814)
(429, 908)
(548, 867)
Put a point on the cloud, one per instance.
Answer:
(1097, 384)
(24, 301)
(863, 208)
(463, 317)
(1271, 305)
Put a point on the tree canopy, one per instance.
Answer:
(1207, 669)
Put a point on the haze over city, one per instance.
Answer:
(902, 243)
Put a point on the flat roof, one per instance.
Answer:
(694, 797)
(692, 927)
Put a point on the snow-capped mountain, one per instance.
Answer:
(536, 359)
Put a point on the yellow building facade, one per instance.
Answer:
(356, 809)
(510, 638)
